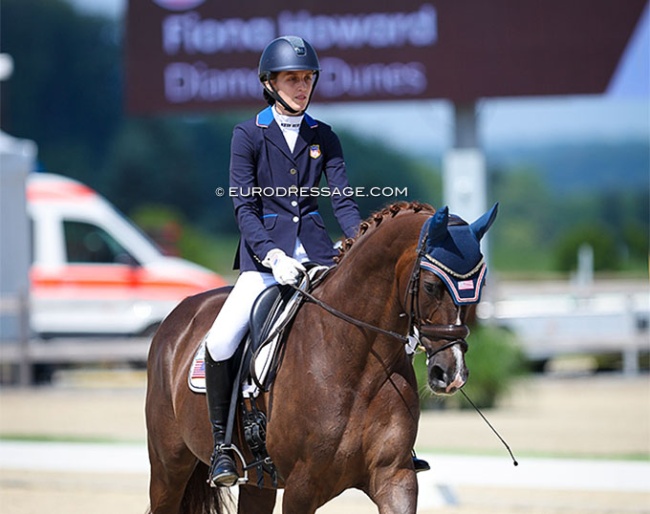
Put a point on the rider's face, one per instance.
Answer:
(295, 88)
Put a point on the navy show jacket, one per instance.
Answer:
(260, 158)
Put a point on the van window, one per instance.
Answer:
(88, 243)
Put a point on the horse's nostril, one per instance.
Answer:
(438, 374)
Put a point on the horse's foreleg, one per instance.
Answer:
(253, 500)
(302, 494)
(394, 492)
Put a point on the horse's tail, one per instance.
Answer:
(200, 498)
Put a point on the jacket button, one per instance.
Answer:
(294, 203)
(293, 171)
(295, 219)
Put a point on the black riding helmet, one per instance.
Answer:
(287, 53)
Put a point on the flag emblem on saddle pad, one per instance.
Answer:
(314, 151)
(199, 369)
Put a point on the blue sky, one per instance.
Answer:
(621, 114)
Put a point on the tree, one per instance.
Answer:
(607, 256)
(65, 92)
(522, 236)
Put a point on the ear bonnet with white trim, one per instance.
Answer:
(453, 253)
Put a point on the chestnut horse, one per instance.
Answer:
(343, 410)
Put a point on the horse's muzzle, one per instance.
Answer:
(443, 383)
(447, 371)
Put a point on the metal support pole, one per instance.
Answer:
(465, 127)
(25, 366)
(464, 170)
(631, 350)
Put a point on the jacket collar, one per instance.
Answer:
(266, 120)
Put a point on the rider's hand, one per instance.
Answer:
(286, 270)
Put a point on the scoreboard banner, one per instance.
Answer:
(202, 55)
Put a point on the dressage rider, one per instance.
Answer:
(284, 151)
(279, 150)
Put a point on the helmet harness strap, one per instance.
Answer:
(270, 89)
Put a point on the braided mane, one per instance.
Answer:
(378, 217)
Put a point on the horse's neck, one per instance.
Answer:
(365, 284)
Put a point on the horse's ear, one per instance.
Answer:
(481, 225)
(438, 225)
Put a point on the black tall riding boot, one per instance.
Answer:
(218, 385)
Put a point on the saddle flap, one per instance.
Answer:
(267, 306)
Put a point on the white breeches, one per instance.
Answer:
(232, 322)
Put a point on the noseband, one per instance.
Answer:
(455, 334)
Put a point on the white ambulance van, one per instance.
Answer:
(93, 272)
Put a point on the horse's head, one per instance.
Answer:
(447, 280)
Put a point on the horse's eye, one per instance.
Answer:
(432, 288)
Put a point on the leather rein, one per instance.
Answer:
(453, 334)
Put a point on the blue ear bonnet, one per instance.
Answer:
(451, 249)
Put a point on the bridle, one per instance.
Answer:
(454, 334)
